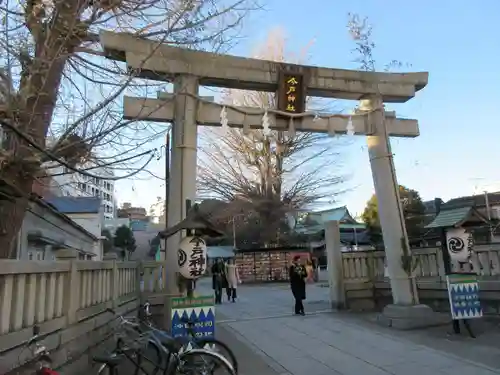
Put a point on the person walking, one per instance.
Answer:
(309, 270)
(315, 269)
(233, 279)
(218, 271)
(298, 275)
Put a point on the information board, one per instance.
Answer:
(463, 293)
(200, 310)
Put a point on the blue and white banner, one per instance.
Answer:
(200, 311)
(463, 293)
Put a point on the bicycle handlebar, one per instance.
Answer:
(39, 351)
(122, 318)
(35, 337)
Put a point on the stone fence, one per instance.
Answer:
(67, 300)
(366, 285)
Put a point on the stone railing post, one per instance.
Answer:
(335, 266)
(140, 281)
(71, 295)
(115, 280)
(115, 284)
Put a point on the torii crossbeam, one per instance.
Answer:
(188, 69)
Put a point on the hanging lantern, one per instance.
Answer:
(192, 257)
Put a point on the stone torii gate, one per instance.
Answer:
(188, 69)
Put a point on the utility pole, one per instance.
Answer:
(488, 213)
(234, 234)
(167, 185)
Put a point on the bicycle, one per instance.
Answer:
(166, 350)
(41, 356)
(191, 341)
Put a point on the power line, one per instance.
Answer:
(33, 144)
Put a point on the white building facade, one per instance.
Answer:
(157, 211)
(70, 184)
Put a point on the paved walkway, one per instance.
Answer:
(323, 342)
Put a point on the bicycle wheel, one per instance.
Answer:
(149, 360)
(201, 361)
(218, 347)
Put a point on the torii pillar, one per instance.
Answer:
(188, 68)
(389, 203)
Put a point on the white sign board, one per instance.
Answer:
(460, 244)
(192, 257)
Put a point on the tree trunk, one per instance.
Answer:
(38, 90)
(11, 218)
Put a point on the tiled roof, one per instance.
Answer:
(473, 200)
(453, 217)
(449, 218)
(314, 221)
(333, 214)
(74, 205)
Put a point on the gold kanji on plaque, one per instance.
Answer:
(291, 93)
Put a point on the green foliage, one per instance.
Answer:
(124, 239)
(413, 211)
(108, 241)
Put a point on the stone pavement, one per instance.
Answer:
(323, 342)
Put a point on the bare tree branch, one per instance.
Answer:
(268, 176)
(60, 99)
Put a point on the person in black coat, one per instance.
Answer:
(218, 277)
(298, 275)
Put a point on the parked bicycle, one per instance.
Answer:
(192, 340)
(41, 360)
(151, 352)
